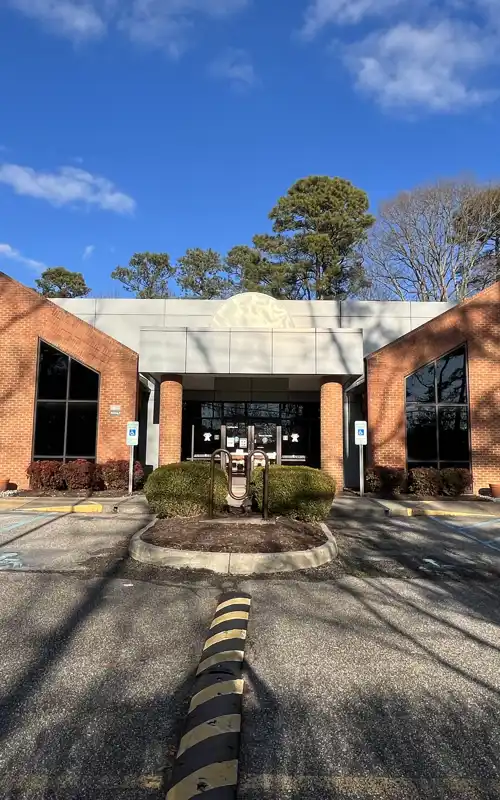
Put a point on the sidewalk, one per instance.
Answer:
(136, 504)
(354, 506)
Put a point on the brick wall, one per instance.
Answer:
(170, 419)
(24, 318)
(476, 322)
(332, 430)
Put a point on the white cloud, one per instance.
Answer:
(11, 254)
(67, 186)
(75, 19)
(88, 252)
(430, 67)
(430, 54)
(321, 13)
(167, 23)
(157, 23)
(235, 66)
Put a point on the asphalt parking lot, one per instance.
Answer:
(369, 678)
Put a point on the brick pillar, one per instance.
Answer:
(170, 419)
(332, 430)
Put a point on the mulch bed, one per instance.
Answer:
(235, 537)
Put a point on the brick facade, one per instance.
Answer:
(332, 430)
(170, 419)
(26, 317)
(475, 322)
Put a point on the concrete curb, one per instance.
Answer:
(233, 563)
(396, 510)
(207, 759)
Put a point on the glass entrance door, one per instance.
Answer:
(265, 437)
(237, 442)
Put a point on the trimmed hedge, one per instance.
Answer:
(115, 475)
(456, 481)
(182, 490)
(81, 474)
(45, 475)
(385, 480)
(426, 481)
(298, 492)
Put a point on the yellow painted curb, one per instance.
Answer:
(85, 508)
(441, 513)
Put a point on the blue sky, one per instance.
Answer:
(133, 125)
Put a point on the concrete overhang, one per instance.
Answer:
(256, 351)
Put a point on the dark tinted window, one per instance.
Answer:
(453, 434)
(451, 378)
(52, 373)
(437, 419)
(49, 429)
(82, 426)
(420, 386)
(67, 402)
(83, 382)
(421, 439)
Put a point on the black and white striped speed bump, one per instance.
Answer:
(207, 759)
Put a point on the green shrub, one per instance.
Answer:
(182, 490)
(385, 480)
(425, 481)
(297, 492)
(455, 481)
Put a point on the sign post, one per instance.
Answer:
(132, 441)
(361, 439)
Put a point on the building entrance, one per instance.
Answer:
(287, 432)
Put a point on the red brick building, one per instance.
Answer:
(287, 377)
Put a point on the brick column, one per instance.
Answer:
(332, 430)
(170, 419)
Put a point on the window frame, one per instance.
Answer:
(436, 405)
(64, 458)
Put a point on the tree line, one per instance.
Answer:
(435, 242)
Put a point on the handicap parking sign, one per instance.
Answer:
(132, 434)
(360, 433)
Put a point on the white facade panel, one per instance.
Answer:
(294, 352)
(207, 352)
(339, 352)
(250, 352)
(163, 351)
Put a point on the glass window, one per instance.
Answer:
(437, 413)
(421, 439)
(52, 373)
(83, 382)
(451, 378)
(49, 429)
(453, 433)
(65, 427)
(232, 410)
(420, 387)
(82, 428)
